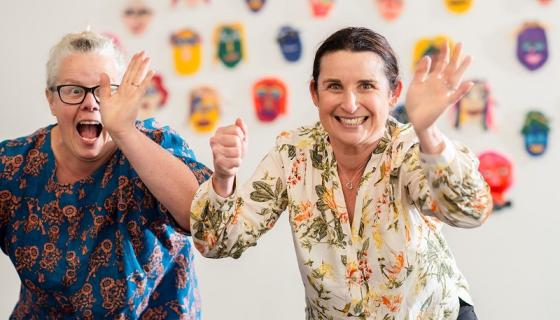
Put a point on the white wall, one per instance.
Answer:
(512, 262)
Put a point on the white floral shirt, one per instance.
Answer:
(392, 262)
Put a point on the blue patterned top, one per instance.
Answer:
(100, 247)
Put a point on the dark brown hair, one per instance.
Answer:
(358, 40)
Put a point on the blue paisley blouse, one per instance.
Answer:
(102, 247)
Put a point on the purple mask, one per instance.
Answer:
(532, 47)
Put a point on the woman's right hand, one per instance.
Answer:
(229, 146)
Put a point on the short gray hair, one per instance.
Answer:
(82, 42)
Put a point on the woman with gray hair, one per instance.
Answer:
(94, 210)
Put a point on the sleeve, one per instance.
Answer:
(176, 145)
(10, 164)
(225, 227)
(447, 186)
(4, 197)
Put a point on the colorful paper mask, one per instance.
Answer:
(390, 9)
(429, 47)
(535, 130)
(255, 5)
(399, 113)
(476, 106)
(458, 6)
(205, 109)
(154, 98)
(321, 8)
(230, 44)
(532, 46)
(137, 16)
(187, 51)
(497, 170)
(290, 43)
(269, 95)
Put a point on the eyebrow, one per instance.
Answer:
(333, 80)
(368, 81)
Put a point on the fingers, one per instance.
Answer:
(461, 91)
(146, 82)
(422, 69)
(442, 59)
(241, 124)
(456, 55)
(137, 70)
(228, 148)
(105, 92)
(455, 78)
(451, 69)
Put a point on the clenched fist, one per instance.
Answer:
(229, 146)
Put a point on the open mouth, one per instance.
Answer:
(89, 129)
(533, 58)
(351, 122)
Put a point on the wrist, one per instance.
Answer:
(223, 185)
(123, 134)
(431, 140)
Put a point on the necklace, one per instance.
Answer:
(349, 184)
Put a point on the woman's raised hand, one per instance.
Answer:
(120, 108)
(433, 89)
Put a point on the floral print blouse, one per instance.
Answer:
(392, 262)
(102, 247)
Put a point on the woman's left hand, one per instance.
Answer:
(431, 92)
(119, 109)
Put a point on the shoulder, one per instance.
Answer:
(303, 137)
(402, 141)
(20, 145)
(15, 153)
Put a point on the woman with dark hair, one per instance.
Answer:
(366, 195)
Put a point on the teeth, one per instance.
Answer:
(90, 122)
(352, 121)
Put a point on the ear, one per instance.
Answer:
(50, 98)
(395, 94)
(313, 92)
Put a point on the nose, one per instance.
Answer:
(89, 103)
(350, 102)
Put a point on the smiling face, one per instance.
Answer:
(79, 131)
(353, 97)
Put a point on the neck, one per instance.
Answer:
(350, 159)
(70, 169)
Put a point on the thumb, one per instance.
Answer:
(241, 124)
(105, 91)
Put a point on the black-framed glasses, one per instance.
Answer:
(76, 94)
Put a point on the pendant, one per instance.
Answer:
(349, 185)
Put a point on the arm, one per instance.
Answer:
(447, 186)
(443, 180)
(169, 179)
(431, 92)
(226, 221)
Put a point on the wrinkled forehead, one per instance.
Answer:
(86, 68)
